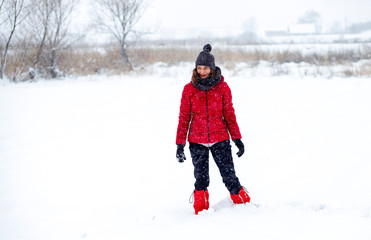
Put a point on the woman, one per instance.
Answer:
(207, 116)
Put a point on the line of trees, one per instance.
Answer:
(36, 31)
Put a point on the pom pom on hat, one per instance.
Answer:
(204, 58)
(207, 47)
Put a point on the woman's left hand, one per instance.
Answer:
(241, 147)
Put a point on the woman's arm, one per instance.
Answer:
(229, 114)
(184, 117)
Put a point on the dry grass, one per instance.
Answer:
(365, 69)
(85, 60)
(140, 56)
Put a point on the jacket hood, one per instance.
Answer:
(205, 84)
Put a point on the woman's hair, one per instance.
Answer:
(195, 74)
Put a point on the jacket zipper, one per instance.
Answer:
(190, 128)
(207, 114)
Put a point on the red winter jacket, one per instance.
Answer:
(207, 116)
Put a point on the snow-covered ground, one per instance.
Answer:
(94, 158)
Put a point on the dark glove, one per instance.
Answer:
(180, 153)
(241, 147)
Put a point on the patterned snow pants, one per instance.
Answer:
(222, 154)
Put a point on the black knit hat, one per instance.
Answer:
(205, 58)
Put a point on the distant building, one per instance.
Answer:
(293, 29)
(276, 33)
(302, 29)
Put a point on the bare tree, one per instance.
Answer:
(13, 12)
(249, 35)
(313, 17)
(50, 23)
(118, 18)
(1, 11)
(58, 37)
(40, 22)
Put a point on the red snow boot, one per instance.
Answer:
(241, 197)
(201, 200)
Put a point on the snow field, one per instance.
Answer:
(94, 158)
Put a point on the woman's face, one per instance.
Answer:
(203, 71)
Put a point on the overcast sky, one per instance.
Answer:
(231, 15)
(184, 17)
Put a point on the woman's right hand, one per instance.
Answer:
(180, 153)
